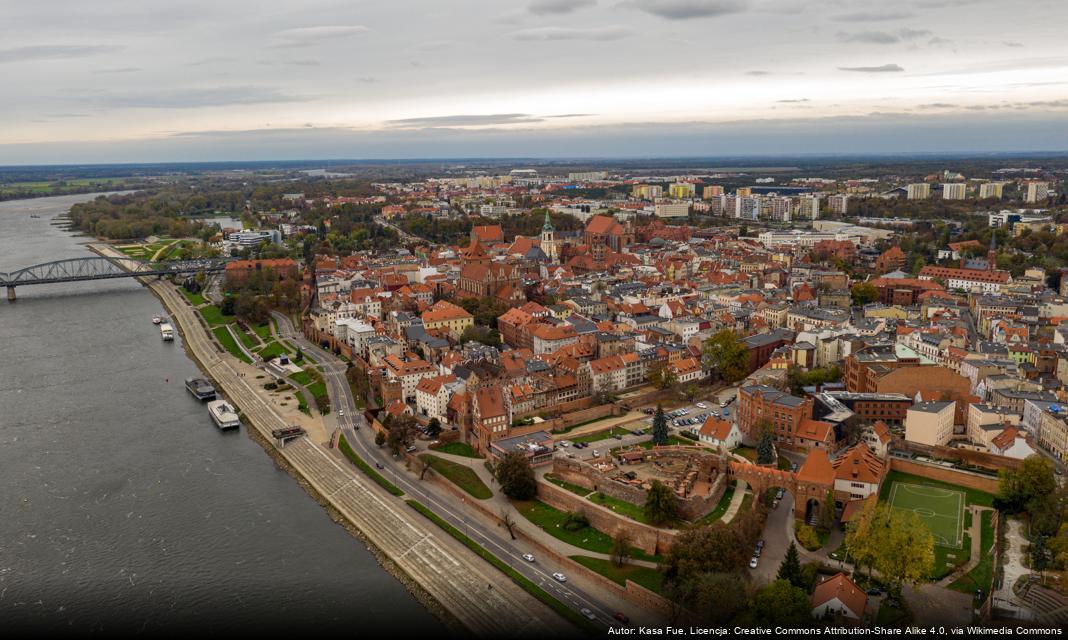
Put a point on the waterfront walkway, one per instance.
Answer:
(455, 579)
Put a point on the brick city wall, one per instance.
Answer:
(943, 474)
(967, 456)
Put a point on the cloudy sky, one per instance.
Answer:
(119, 81)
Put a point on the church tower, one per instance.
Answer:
(548, 240)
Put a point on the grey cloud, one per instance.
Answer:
(872, 16)
(886, 68)
(193, 98)
(758, 72)
(308, 36)
(543, 7)
(686, 9)
(119, 70)
(883, 37)
(796, 100)
(463, 120)
(614, 32)
(67, 115)
(1014, 45)
(54, 52)
(572, 115)
(206, 61)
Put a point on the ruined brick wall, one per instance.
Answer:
(944, 474)
(647, 538)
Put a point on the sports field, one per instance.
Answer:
(941, 509)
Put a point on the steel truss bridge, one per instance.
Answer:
(103, 268)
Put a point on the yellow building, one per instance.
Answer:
(448, 316)
(682, 190)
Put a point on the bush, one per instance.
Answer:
(575, 521)
(808, 538)
(270, 386)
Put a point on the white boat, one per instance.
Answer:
(157, 320)
(166, 332)
(224, 414)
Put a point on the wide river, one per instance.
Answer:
(122, 507)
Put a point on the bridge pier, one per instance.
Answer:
(11, 294)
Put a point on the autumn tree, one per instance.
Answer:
(516, 476)
(727, 353)
(661, 504)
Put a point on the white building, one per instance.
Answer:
(672, 210)
(919, 191)
(954, 191)
(1036, 192)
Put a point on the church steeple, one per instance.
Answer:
(992, 254)
(548, 239)
(548, 226)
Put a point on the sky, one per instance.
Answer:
(198, 80)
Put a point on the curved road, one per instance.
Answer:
(354, 426)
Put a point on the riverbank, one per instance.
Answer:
(411, 548)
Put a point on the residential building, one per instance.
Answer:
(839, 596)
(448, 317)
(930, 423)
(954, 191)
(918, 191)
(1036, 192)
(671, 209)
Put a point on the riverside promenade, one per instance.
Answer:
(453, 576)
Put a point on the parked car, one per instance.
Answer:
(588, 613)
(618, 437)
(753, 562)
(760, 543)
(639, 432)
(564, 443)
(622, 617)
(411, 449)
(715, 414)
(793, 467)
(724, 403)
(559, 577)
(701, 405)
(780, 494)
(528, 557)
(596, 453)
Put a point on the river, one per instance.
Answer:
(123, 508)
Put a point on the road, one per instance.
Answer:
(442, 503)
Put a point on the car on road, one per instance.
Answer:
(341, 413)
(588, 613)
(379, 465)
(618, 437)
(559, 577)
(780, 494)
(753, 562)
(760, 543)
(528, 557)
(564, 443)
(596, 453)
(622, 617)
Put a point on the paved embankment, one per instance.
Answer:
(455, 579)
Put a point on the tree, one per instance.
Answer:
(766, 444)
(661, 504)
(691, 391)
(1034, 478)
(896, 543)
(423, 466)
(826, 518)
(516, 476)
(620, 553)
(380, 438)
(726, 352)
(717, 547)
(782, 604)
(663, 377)
(509, 522)
(401, 433)
(660, 430)
(433, 428)
(864, 293)
(790, 569)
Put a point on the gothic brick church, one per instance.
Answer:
(480, 276)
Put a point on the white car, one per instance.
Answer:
(559, 577)
(596, 453)
(565, 443)
(701, 405)
(528, 557)
(341, 413)
(588, 614)
(753, 562)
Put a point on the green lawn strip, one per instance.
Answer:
(980, 575)
(672, 441)
(622, 507)
(317, 388)
(460, 475)
(214, 316)
(973, 496)
(344, 447)
(301, 377)
(572, 616)
(573, 488)
(245, 338)
(228, 343)
(944, 564)
(721, 508)
(194, 299)
(272, 350)
(458, 449)
(551, 521)
(263, 331)
(647, 577)
(302, 404)
(604, 435)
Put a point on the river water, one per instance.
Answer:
(122, 508)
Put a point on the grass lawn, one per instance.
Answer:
(245, 338)
(263, 331)
(980, 575)
(721, 508)
(458, 449)
(604, 435)
(651, 579)
(272, 350)
(526, 584)
(302, 404)
(343, 445)
(228, 343)
(974, 496)
(214, 316)
(551, 521)
(301, 377)
(317, 388)
(194, 299)
(573, 488)
(749, 453)
(632, 511)
(461, 476)
(672, 441)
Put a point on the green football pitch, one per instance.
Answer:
(941, 509)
